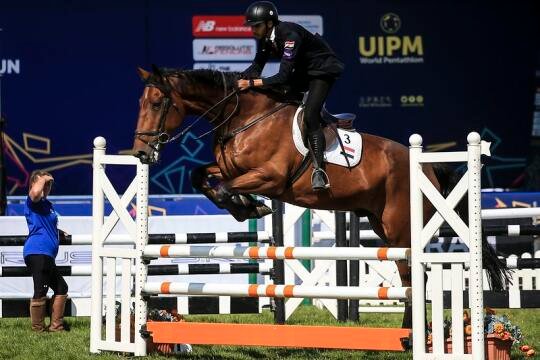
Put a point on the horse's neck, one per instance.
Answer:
(254, 103)
(251, 106)
(235, 113)
(195, 98)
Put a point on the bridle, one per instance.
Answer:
(160, 136)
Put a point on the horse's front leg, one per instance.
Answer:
(200, 180)
(208, 179)
(261, 182)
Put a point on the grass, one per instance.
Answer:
(19, 342)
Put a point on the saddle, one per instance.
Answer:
(330, 124)
(283, 93)
(342, 120)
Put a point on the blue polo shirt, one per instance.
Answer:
(42, 223)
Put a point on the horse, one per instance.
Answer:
(255, 155)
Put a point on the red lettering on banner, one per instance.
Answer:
(220, 26)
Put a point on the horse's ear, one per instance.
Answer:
(143, 74)
(156, 71)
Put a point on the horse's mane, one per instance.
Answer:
(214, 78)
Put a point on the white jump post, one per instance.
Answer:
(471, 235)
(107, 255)
(421, 235)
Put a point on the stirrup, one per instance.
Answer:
(318, 186)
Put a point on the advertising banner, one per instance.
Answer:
(68, 74)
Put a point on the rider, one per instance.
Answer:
(307, 64)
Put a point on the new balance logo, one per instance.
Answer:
(205, 26)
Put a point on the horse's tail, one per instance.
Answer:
(498, 273)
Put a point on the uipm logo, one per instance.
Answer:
(391, 47)
(10, 66)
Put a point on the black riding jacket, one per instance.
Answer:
(303, 56)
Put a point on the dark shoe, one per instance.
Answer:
(58, 305)
(319, 180)
(37, 314)
(317, 143)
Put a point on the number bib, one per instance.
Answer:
(352, 144)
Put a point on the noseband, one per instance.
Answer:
(160, 136)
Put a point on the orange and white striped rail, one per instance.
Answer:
(279, 291)
(279, 253)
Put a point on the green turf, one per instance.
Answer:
(18, 342)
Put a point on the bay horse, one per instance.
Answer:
(255, 154)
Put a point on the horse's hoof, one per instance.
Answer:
(222, 194)
(241, 200)
(239, 218)
(262, 210)
(236, 200)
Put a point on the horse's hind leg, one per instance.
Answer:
(397, 234)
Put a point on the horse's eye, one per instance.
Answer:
(156, 106)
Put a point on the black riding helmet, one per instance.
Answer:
(261, 11)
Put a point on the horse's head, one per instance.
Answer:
(171, 95)
(161, 110)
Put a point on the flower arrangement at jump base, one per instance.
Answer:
(500, 335)
(173, 316)
(153, 315)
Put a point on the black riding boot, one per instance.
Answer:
(317, 143)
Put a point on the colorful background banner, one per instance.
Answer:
(441, 69)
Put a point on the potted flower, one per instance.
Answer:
(500, 335)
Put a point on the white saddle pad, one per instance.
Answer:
(352, 143)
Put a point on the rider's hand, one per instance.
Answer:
(243, 84)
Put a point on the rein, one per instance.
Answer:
(222, 101)
(162, 137)
(223, 139)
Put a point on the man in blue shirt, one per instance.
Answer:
(40, 250)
